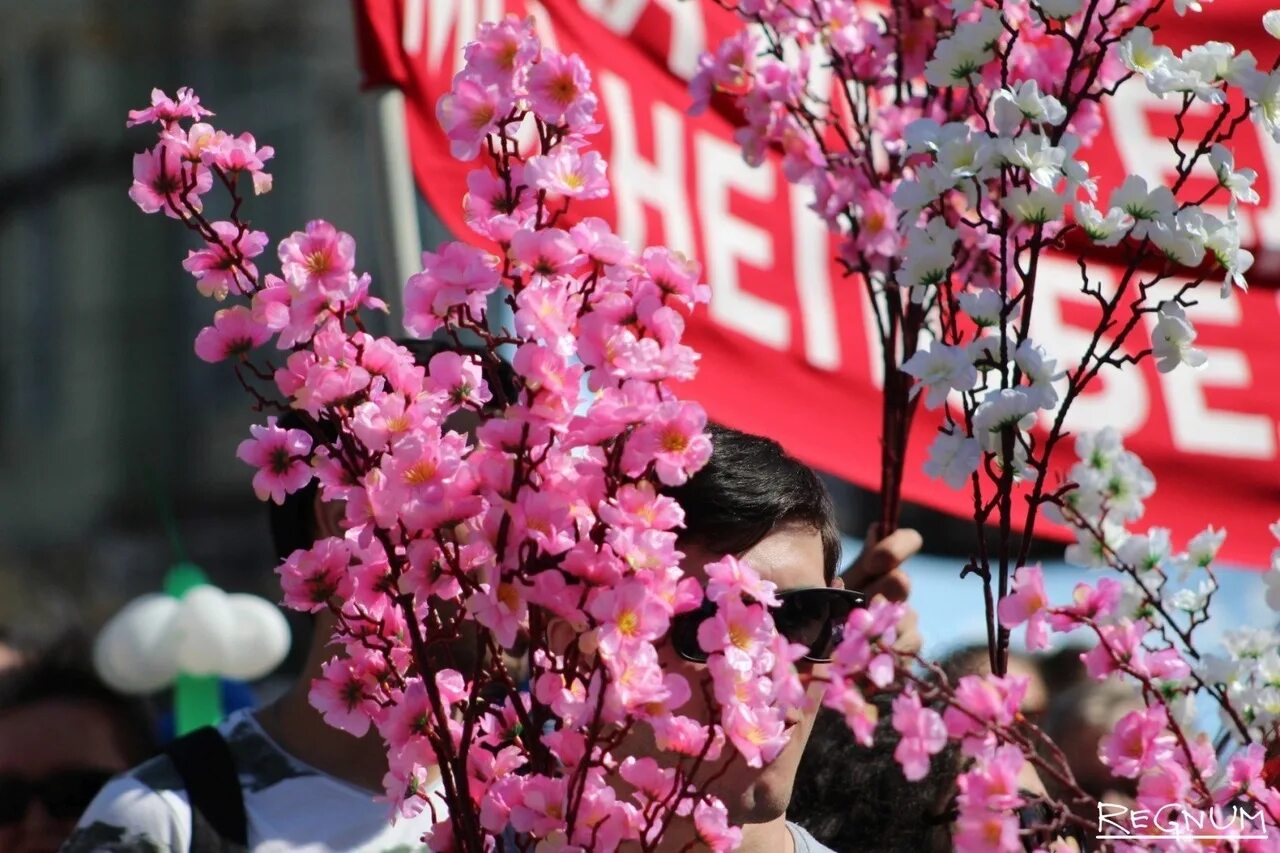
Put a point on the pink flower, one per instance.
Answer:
(984, 700)
(460, 276)
(727, 70)
(560, 91)
(1163, 783)
(236, 154)
(552, 384)
(224, 266)
(164, 110)
(547, 252)
(594, 238)
(877, 225)
(859, 715)
(640, 506)
(161, 179)
(711, 821)
(1140, 741)
(458, 378)
(628, 612)
(1027, 603)
(758, 733)
(1087, 603)
(738, 630)
(280, 455)
(500, 49)
(731, 579)
(986, 832)
(565, 172)
(468, 113)
(992, 783)
(545, 312)
(541, 807)
(676, 276)
(234, 333)
(673, 441)
(321, 258)
(310, 577)
(923, 735)
(342, 693)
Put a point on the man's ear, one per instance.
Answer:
(328, 516)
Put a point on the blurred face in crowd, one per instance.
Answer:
(55, 755)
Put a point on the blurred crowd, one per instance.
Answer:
(64, 733)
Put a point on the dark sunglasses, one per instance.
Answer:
(64, 795)
(812, 617)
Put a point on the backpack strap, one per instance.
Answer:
(204, 761)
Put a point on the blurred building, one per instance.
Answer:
(106, 415)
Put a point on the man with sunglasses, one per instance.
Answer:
(754, 501)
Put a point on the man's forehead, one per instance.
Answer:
(790, 557)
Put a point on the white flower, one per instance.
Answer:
(957, 58)
(1106, 230)
(1172, 339)
(983, 306)
(953, 457)
(1036, 207)
(1266, 104)
(965, 156)
(1145, 552)
(912, 196)
(1183, 243)
(1239, 184)
(928, 257)
(1217, 62)
(1057, 10)
(1200, 553)
(1139, 53)
(1040, 372)
(1272, 580)
(1099, 449)
(1011, 107)
(939, 368)
(1033, 152)
(1181, 6)
(1130, 484)
(1147, 207)
(1223, 241)
(1076, 171)
(1000, 408)
(1192, 600)
(1271, 23)
(1090, 552)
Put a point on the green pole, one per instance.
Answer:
(197, 699)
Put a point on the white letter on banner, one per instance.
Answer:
(458, 18)
(637, 182)
(1194, 426)
(1116, 397)
(812, 265)
(729, 240)
(688, 31)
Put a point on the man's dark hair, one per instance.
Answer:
(60, 674)
(293, 523)
(749, 488)
(855, 798)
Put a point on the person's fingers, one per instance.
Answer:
(909, 638)
(882, 557)
(895, 586)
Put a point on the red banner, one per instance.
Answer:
(787, 346)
